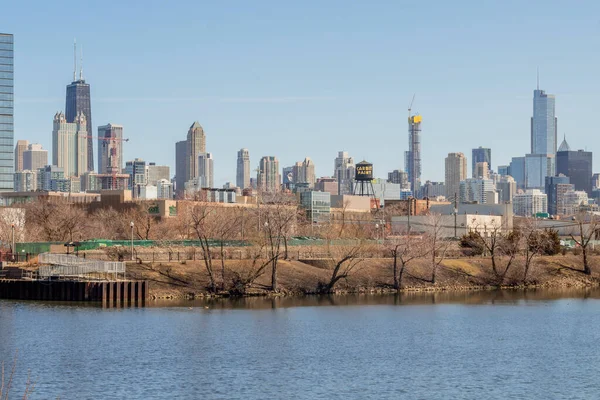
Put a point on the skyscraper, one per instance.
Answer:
(577, 165)
(541, 162)
(181, 164)
(196, 144)
(110, 149)
(35, 157)
(343, 172)
(413, 155)
(400, 177)
(243, 169)
(79, 101)
(480, 154)
(205, 170)
(481, 170)
(69, 144)
(155, 173)
(556, 187)
(268, 177)
(455, 172)
(7, 166)
(19, 149)
(308, 172)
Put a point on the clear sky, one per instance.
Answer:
(311, 78)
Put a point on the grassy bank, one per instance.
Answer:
(190, 279)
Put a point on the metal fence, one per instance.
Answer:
(63, 265)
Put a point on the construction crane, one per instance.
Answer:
(113, 156)
(410, 105)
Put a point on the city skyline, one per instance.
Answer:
(242, 101)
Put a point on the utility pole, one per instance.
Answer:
(409, 207)
(455, 214)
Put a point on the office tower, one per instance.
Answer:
(25, 181)
(506, 186)
(308, 172)
(90, 181)
(78, 102)
(503, 170)
(572, 202)
(343, 172)
(242, 179)
(480, 154)
(297, 173)
(556, 187)
(577, 165)
(413, 155)
(480, 191)
(595, 182)
(69, 144)
(19, 149)
(7, 166)
(530, 203)
(268, 178)
(180, 167)
(517, 171)
(196, 144)
(205, 170)
(35, 157)
(400, 177)
(110, 149)
(326, 184)
(136, 169)
(455, 172)
(155, 173)
(164, 189)
(288, 178)
(541, 162)
(431, 190)
(482, 170)
(47, 174)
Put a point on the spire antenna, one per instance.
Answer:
(74, 60)
(81, 64)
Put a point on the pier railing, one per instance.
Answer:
(64, 265)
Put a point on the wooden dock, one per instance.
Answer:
(109, 294)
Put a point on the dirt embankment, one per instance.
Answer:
(190, 279)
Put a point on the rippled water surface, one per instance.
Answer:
(539, 344)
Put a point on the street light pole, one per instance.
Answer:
(455, 212)
(12, 249)
(132, 225)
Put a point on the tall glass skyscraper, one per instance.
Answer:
(78, 100)
(6, 112)
(543, 123)
(479, 155)
(412, 157)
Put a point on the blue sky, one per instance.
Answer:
(311, 78)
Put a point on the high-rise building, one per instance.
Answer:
(287, 175)
(7, 166)
(556, 187)
(541, 162)
(69, 144)
(480, 191)
(155, 173)
(164, 189)
(343, 172)
(517, 171)
(181, 164)
(243, 169)
(577, 165)
(455, 172)
(530, 202)
(503, 170)
(431, 190)
(572, 201)
(400, 177)
(482, 170)
(326, 184)
(268, 178)
(47, 174)
(507, 188)
(205, 170)
(79, 101)
(136, 169)
(308, 172)
(19, 149)
(35, 157)
(413, 155)
(110, 149)
(480, 154)
(196, 144)
(25, 181)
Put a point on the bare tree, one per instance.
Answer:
(200, 216)
(586, 229)
(342, 261)
(255, 268)
(404, 249)
(434, 228)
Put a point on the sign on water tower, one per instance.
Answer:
(364, 172)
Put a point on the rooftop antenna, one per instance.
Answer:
(74, 60)
(81, 66)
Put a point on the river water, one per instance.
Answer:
(538, 345)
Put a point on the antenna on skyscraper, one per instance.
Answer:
(81, 66)
(74, 60)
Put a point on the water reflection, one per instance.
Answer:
(498, 297)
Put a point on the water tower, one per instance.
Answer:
(363, 179)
